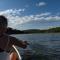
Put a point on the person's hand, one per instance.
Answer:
(25, 43)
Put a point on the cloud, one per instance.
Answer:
(53, 18)
(12, 11)
(12, 15)
(15, 19)
(41, 4)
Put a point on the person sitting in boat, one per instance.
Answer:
(7, 41)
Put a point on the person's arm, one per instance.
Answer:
(19, 43)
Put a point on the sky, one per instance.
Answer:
(31, 14)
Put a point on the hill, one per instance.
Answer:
(15, 31)
(51, 30)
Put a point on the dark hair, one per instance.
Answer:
(3, 20)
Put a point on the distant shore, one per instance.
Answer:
(15, 31)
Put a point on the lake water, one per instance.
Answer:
(46, 46)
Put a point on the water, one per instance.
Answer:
(44, 46)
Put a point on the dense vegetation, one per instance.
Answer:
(13, 31)
(51, 30)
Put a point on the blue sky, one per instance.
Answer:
(31, 14)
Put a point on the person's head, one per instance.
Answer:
(3, 24)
